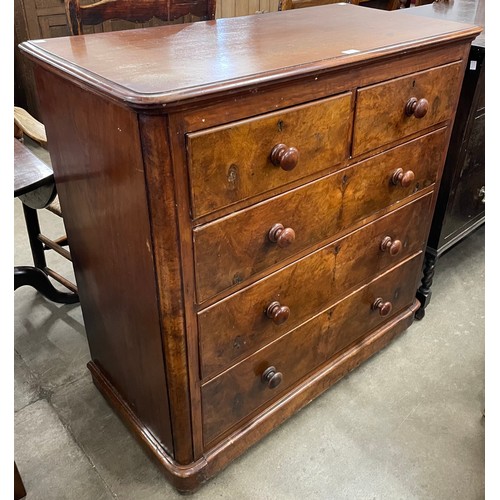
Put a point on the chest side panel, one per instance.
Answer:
(99, 175)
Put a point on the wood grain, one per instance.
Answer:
(234, 394)
(238, 325)
(99, 174)
(137, 70)
(380, 109)
(232, 249)
(149, 272)
(232, 163)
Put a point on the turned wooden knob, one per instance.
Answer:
(417, 107)
(282, 236)
(285, 157)
(384, 308)
(271, 377)
(404, 179)
(390, 245)
(278, 313)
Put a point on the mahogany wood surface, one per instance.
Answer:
(235, 393)
(138, 71)
(129, 180)
(232, 249)
(99, 173)
(438, 86)
(237, 325)
(234, 162)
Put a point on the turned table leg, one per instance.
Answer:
(424, 292)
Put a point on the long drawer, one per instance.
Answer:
(392, 110)
(232, 249)
(234, 162)
(258, 314)
(268, 373)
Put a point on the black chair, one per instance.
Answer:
(34, 186)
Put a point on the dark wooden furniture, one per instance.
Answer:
(134, 11)
(300, 4)
(19, 489)
(42, 19)
(264, 211)
(34, 186)
(460, 207)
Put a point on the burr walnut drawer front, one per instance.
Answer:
(268, 373)
(392, 110)
(234, 248)
(234, 162)
(258, 314)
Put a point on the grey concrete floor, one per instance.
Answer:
(408, 424)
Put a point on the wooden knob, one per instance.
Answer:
(282, 236)
(384, 308)
(393, 246)
(417, 107)
(278, 313)
(271, 377)
(404, 179)
(285, 157)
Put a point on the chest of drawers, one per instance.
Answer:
(247, 202)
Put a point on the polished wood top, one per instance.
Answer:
(463, 11)
(156, 66)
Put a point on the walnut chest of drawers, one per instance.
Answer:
(247, 203)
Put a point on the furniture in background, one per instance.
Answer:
(134, 11)
(460, 208)
(35, 19)
(264, 222)
(34, 186)
(300, 4)
(31, 173)
(418, 3)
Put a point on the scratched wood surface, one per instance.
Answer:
(238, 325)
(134, 65)
(233, 249)
(234, 394)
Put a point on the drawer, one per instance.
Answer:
(234, 248)
(231, 163)
(238, 325)
(239, 391)
(385, 113)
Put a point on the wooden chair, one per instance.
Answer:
(299, 4)
(34, 182)
(34, 186)
(137, 11)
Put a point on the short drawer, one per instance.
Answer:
(260, 313)
(231, 163)
(239, 391)
(232, 249)
(393, 110)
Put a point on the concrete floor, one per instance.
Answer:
(408, 424)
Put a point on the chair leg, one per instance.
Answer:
(35, 277)
(33, 228)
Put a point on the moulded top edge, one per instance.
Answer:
(161, 65)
